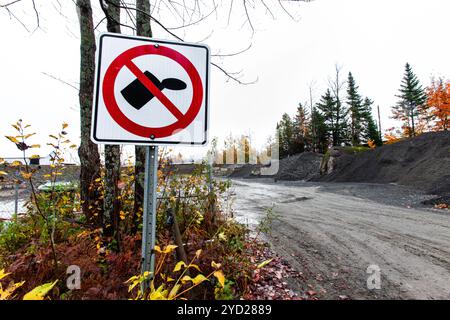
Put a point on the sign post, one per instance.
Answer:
(153, 93)
(149, 214)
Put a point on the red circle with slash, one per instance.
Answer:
(125, 60)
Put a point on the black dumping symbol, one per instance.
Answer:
(138, 95)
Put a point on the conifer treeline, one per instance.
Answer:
(331, 121)
(335, 121)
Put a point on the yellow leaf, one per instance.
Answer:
(174, 291)
(12, 139)
(179, 265)
(3, 173)
(29, 135)
(16, 163)
(199, 279)
(169, 248)
(40, 292)
(215, 265)
(220, 277)
(35, 156)
(157, 249)
(159, 294)
(198, 252)
(35, 146)
(6, 293)
(64, 125)
(264, 263)
(53, 136)
(26, 175)
(133, 284)
(222, 236)
(146, 275)
(3, 274)
(185, 279)
(73, 146)
(195, 267)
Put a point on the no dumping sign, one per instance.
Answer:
(150, 92)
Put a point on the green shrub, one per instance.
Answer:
(14, 235)
(355, 149)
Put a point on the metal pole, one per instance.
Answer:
(149, 217)
(16, 198)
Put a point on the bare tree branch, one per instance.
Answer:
(195, 22)
(60, 80)
(11, 14)
(233, 53)
(99, 23)
(248, 16)
(232, 75)
(9, 4)
(37, 15)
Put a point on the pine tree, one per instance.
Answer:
(302, 138)
(285, 130)
(355, 109)
(334, 117)
(321, 134)
(370, 129)
(412, 99)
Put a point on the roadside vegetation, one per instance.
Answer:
(201, 253)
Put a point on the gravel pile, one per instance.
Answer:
(303, 166)
(422, 162)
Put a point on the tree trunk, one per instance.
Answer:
(413, 129)
(143, 28)
(111, 213)
(88, 151)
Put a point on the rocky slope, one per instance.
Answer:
(422, 162)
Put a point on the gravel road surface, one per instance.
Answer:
(332, 233)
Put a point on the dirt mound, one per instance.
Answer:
(422, 162)
(303, 166)
(245, 171)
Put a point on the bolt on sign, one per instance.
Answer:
(150, 92)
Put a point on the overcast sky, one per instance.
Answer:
(371, 38)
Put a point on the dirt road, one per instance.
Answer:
(333, 232)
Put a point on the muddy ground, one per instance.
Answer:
(332, 232)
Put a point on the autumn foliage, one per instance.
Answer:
(438, 104)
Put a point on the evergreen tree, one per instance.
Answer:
(370, 129)
(321, 134)
(285, 130)
(334, 117)
(355, 109)
(302, 138)
(412, 99)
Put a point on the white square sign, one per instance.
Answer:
(150, 92)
